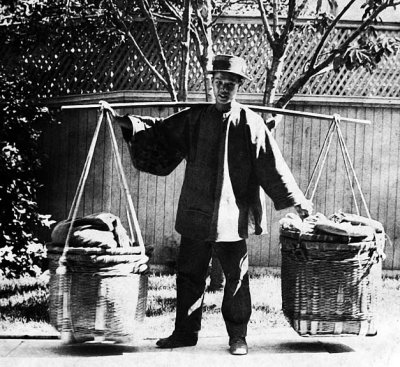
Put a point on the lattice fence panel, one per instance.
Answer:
(91, 66)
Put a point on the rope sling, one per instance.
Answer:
(61, 271)
(321, 160)
(330, 280)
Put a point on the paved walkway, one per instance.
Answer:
(279, 347)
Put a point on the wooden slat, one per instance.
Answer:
(98, 166)
(73, 172)
(384, 116)
(358, 154)
(88, 196)
(315, 147)
(107, 171)
(376, 162)
(395, 194)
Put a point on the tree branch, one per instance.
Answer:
(267, 27)
(291, 15)
(275, 17)
(142, 55)
(172, 9)
(224, 6)
(205, 51)
(327, 33)
(127, 31)
(363, 26)
(185, 57)
(145, 7)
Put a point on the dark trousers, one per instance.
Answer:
(193, 261)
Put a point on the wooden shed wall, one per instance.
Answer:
(374, 149)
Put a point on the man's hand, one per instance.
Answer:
(304, 209)
(106, 107)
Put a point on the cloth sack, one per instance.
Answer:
(94, 230)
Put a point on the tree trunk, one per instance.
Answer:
(204, 16)
(185, 55)
(274, 75)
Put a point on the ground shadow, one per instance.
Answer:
(93, 350)
(303, 347)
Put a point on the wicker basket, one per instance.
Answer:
(102, 300)
(330, 288)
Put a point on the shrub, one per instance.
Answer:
(21, 121)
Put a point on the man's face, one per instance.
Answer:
(225, 87)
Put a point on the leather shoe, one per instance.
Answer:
(238, 346)
(177, 341)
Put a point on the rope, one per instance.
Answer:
(121, 185)
(322, 155)
(125, 186)
(79, 191)
(64, 284)
(347, 161)
(344, 147)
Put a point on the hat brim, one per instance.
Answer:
(230, 72)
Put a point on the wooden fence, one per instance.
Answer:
(374, 149)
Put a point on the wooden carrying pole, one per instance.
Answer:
(279, 111)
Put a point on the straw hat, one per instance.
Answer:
(230, 64)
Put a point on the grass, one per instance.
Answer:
(24, 306)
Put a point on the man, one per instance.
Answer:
(230, 154)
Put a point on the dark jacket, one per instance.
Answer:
(157, 146)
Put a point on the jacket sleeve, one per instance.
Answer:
(272, 172)
(157, 145)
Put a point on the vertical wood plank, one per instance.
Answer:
(367, 157)
(333, 174)
(316, 140)
(59, 160)
(395, 194)
(385, 182)
(159, 215)
(75, 157)
(89, 187)
(107, 171)
(376, 162)
(359, 156)
(305, 149)
(98, 163)
(142, 197)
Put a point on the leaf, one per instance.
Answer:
(333, 5)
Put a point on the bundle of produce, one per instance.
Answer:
(339, 227)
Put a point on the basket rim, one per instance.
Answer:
(291, 239)
(57, 248)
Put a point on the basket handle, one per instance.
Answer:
(350, 171)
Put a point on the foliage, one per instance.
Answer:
(360, 48)
(24, 299)
(67, 23)
(21, 252)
